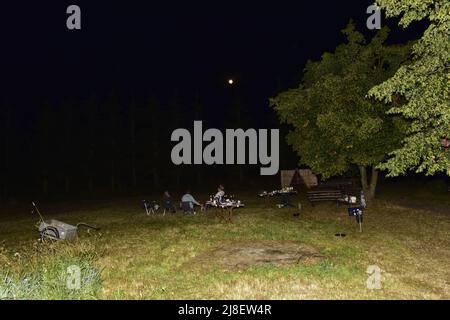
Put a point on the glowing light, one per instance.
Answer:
(231, 82)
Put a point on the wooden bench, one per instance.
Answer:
(337, 184)
(320, 195)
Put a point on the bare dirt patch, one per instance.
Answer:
(241, 255)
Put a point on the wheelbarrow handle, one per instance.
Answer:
(37, 210)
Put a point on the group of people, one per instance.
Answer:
(188, 202)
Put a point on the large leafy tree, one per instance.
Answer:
(335, 126)
(424, 83)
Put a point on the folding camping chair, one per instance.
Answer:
(168, 206)
(187, 207)
(150, 207)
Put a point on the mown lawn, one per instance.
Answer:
(141, 257)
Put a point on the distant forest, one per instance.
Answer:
(108, 145)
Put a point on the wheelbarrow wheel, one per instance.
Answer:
(50, 233)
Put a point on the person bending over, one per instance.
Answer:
(190, 201)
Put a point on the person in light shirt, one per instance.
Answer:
(187, 197)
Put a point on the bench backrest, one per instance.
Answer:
(318, 195)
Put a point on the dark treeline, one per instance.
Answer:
(111, 144)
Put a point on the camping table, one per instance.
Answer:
(227, 211)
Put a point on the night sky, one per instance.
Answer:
(162, 48)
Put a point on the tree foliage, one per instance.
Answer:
(334, 125)
(424, 83)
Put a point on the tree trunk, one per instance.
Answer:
(199, 177)
(5, 166)
(89, 166)
(91, 184)
(67, 184)
(4, 194)
(112, 176)
(373, 183)
(45, 186)
(363, 173)
(133, 176)
(133, 148)
(178, 179)
(369, 189)
(155, 178)
(241, 174)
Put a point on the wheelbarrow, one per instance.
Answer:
(57, 230)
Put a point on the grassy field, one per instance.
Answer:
(139, 257)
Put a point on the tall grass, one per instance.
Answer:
(41, 272)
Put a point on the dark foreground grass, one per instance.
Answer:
(142, 257)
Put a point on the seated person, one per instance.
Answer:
(167, 202)
(189, 199)
(216, 198)
(220, 193)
